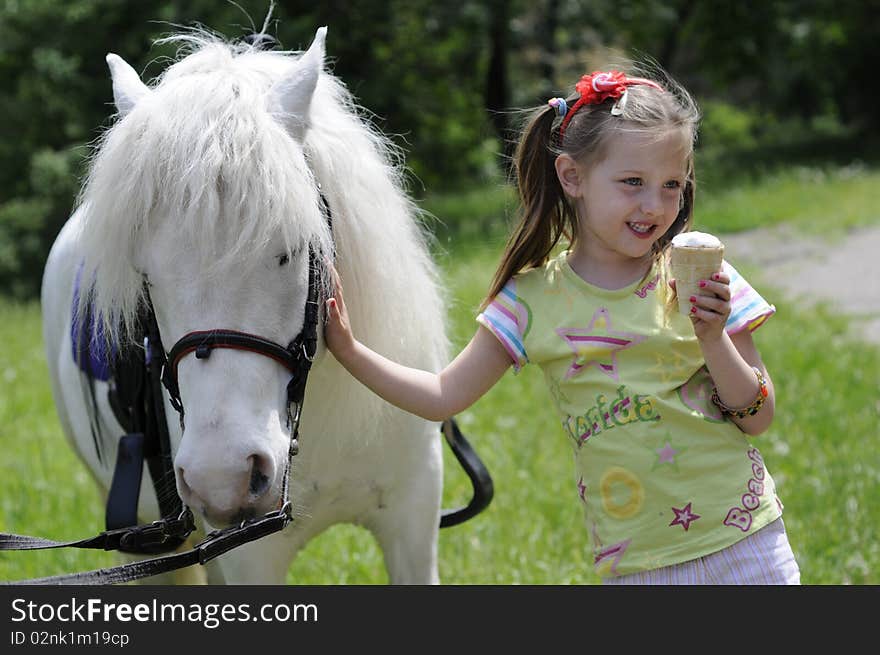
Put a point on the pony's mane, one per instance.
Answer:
(203, 150)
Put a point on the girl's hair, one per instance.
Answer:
(546, 213)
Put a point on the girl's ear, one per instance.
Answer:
(569, 174)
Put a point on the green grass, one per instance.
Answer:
(822, 448)
(819, 200)
(44, 489)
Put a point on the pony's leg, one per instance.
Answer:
(408, 539)
(213, 573)
(264, 561)
(407, 527)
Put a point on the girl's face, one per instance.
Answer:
(629, 199)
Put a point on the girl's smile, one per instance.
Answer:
(642, 230)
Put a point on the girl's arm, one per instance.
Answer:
(730, 358)
(433, 396)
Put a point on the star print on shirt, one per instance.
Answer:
(582, 489)
(666, 455)
(669, 366)
(684, 516)
(607, 559)
(597, 344)
(667, 452)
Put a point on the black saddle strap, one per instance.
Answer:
(125, 488)
(142, 411)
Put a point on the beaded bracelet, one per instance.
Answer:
(752, 409)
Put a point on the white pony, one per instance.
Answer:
(208, 187)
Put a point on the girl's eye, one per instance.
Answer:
(633, 181)
(672, 184)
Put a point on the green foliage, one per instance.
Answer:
(29, 224)
(21, 248)
(725, 126)
(780, 82)
(480, 213)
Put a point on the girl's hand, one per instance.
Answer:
(710, 307)
(337, 329)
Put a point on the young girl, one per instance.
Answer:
(657, 404)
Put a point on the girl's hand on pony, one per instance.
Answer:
(710, 307)
(337, 328)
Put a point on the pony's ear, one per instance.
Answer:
(127, 85)
(291, 96)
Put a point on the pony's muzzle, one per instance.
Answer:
(225, 494)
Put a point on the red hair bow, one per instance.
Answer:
(597, 87)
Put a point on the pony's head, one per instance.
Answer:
(203, 192)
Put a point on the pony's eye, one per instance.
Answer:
(283, 259)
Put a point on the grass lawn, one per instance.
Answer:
(822, 448)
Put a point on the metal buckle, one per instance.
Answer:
(154, 534)
(294, 412)
(157, 532)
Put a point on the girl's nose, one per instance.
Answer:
(652, 203)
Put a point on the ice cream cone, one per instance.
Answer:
(694, 256)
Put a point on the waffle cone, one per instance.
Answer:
(690, 265)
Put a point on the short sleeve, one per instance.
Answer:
(748, 309)
(507, 318)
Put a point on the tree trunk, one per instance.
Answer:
(497, 84)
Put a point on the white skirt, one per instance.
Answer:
(762, 558)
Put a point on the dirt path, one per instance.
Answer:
(844, 272)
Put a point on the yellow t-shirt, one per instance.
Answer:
(662, 475)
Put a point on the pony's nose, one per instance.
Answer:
(259, 479)
(228, 493)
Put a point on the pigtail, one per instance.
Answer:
(545, 214)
